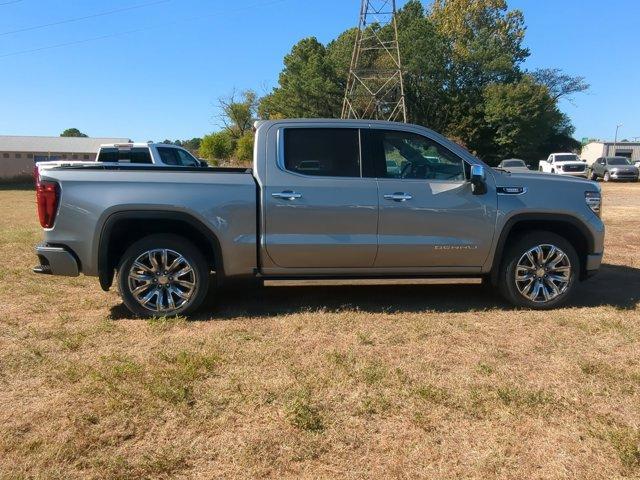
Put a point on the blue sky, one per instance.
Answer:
(158, 67)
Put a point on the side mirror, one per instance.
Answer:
(478, 180)
(203, 163)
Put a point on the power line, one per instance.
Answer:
(78, 19)
(128, 32)
(9, 3)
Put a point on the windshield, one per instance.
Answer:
(567, 158)
(513, 163)
(618, 161)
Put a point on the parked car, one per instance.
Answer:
(514, 165)
(148, 154)
(564, 164)
(613, 168)
(155, 154)
(166, 234)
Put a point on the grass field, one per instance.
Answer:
(320, 381)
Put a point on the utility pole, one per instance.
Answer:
(615, 141)
(375, 88)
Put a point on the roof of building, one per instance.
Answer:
(10, 143)
(611, 142)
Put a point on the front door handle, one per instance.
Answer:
(398, 196)
(287, 195)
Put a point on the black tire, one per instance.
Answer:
(197, 275)
(507, 274)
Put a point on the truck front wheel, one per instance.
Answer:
(539, 271)
(163, 275)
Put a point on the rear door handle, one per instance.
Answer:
(287, 195)
(398, 196)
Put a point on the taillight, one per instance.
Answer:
(47, 201)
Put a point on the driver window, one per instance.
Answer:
(186, 160)
(412, 156)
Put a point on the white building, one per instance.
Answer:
(594, 150)
(18, 154)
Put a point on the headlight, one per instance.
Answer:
(594, 201)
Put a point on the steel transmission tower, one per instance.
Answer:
(375, 88)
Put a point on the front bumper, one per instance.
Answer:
(623, 176)
(56, 261)
(594, 261)
(573, 174)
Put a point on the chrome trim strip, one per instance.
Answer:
(501, 191)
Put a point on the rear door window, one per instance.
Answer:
(327, 152)
(169, 156)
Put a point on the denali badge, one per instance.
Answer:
(511, 190)
(455, 247)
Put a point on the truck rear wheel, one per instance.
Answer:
(539, 271)
(163, 275)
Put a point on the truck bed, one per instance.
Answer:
(222, 201)
(61, 165)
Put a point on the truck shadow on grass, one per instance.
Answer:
(615, 285)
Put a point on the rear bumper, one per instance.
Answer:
(56, 261)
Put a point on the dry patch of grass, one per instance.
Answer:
(308, 381)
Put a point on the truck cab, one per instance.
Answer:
(564, 164)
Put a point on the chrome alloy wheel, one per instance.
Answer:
(162, 280)
(543, 273)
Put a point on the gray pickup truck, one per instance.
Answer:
(324, 199)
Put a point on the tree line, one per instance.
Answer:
(464, 76)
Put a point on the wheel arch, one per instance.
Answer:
(121, 229)
(567, 226)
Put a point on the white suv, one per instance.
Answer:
(160, 154)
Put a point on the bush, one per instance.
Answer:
(244, 148)
(217, 146)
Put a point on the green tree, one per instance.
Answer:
(238, 114)
(307, 87)
(192, 145)
(217, 146)
(72, 132)
(559, 83)
(424, 61)
(482, 45)
(523, 115)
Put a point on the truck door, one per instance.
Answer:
(429, 216)
(319, 210)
